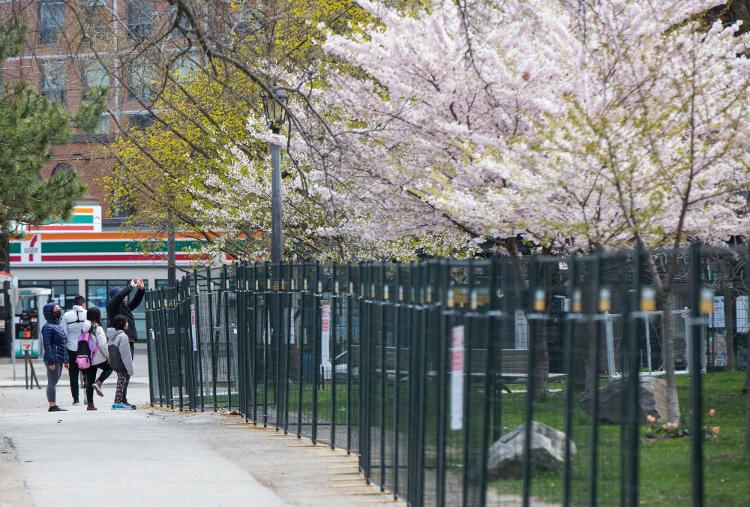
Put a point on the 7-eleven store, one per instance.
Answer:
(78, 257)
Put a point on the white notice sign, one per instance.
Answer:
(325, 340)
(457, 378)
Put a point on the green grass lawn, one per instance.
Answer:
(664, 477)
(664, 468)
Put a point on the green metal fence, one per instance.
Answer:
(447, 377)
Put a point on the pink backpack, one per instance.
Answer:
(85, 352)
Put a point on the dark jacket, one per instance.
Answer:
(117, 306)
(53, 337)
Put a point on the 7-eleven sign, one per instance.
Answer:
(31, 250)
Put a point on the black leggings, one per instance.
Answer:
(90, 375)
(73, 372)
(106, 371)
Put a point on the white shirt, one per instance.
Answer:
(72, 323)
(102, 354)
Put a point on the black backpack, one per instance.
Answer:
(115, 359)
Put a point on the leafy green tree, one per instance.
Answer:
(30, 125)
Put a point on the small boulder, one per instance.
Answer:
(652, 400)
(505, 458)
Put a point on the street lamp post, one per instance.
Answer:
(275, 108)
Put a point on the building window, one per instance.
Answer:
(102, 127)
(141, 79)
(53, 82)
(97, 80)
(51, 20)
(140, 19)
(93, 20)
(63, 291)
(97, 294)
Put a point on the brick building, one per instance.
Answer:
(72, 49)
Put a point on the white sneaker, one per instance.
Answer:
(98, 389)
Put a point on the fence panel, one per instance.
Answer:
(507, 381)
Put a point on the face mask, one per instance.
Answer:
(57, 314)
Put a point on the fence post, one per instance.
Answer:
(381, 339)
(227, 336)
(198, 336)
(190, 356)
(469, 322)
(287, 309)
(253, 343)
(349, 357)
(364, 367)
(602, 305)
(301, 340)
(398, 296)
(314, 365)
(158, 301)
(332, 345)
(241, 314)
(278, 337)
(149, 346)
(528, 426)
(500, 312)
(489, 387)
(212, 336)
(696, 388)
(629, 427)
(165, 346)
(570, 324)
(422, 332)
(444, 329)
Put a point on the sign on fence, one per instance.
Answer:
(193, 328)
(325, 339)
(457, 378)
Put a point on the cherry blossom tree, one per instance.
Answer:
(648, 143)
(576, 125)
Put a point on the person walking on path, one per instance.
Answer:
(55, 351)
(120, 303)
(94, 316)
(120, 360)
(99, 354)
(72, 323)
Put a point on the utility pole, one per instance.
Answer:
(171, 253)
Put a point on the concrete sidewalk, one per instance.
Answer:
(151, 456)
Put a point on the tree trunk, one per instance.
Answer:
(540, 370)
(673, 401)
(171, 254)
(541, 352)
(541, 365)
(4, 253)
(730, 307)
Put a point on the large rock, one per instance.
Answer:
(652, 400)
(505, 458)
